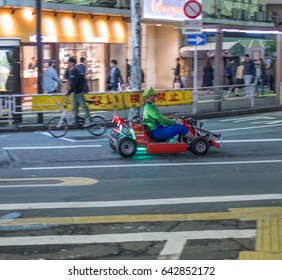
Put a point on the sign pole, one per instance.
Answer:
(195, 81)
(39, 54)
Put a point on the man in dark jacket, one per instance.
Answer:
(249, 74)
(114, 77)
(77, 86)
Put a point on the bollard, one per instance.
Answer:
(280, 97)
(252, 95)
(195, 101)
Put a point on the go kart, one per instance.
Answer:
(128, 136)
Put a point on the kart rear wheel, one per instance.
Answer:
(199, 146)
(58, 127)
(126, 147)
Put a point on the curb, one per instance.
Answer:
(42, 127)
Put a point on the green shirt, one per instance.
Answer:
(152, 116)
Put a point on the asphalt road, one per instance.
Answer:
(74, 198)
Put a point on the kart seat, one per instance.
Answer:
(152, 137)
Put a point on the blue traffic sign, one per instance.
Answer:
(196, 39)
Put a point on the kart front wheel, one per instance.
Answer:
(199, 146)
(126, 147)
(112, 145)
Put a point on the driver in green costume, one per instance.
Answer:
(160, 126)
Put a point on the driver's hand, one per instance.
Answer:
(179, 121)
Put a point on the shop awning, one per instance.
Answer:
(229, 49)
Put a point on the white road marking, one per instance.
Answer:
(168, 252)
(51, 147)
(141, 202)
(252, 140)
(153, 165)
(250, 127)
(248, 119)
(73, 140)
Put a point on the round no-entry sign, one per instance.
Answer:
(192, 9)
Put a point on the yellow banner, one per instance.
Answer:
(113, 100)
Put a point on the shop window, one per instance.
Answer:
(95, 65)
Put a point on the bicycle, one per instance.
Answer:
(59, 126)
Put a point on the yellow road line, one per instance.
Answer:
(120, 219)
(53, 182)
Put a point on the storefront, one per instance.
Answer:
(229, 49)
(97, 38)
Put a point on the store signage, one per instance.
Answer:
(192, 9)
(164, 10)
(196, 40)
(192, 26)
(44, 39)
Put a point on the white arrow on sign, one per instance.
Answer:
(198, 40)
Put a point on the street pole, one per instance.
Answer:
(218, 68)
(195, 81)
(39, 54)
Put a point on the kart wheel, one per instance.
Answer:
(112, 144)
(199, 146)
(126, 146)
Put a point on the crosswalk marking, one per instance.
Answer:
(170, 250)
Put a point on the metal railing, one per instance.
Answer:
(11, 108)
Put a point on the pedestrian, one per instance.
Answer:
(128, 73)
(269, 70)
(239, 78)
(81, 67)
(177, 81)
(230, 72)
(114, 77)
(249, 74)
(261, 76)
(51, 78)
(33, 64)
(208, 73)
(77, 86)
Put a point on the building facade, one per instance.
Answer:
(101, 31)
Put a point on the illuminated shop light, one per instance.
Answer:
(50, 39)
(242, 31)
(96, 40)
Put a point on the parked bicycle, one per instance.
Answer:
(59, 126)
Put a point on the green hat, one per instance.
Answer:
(149, 92)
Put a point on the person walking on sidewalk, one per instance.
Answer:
(114, 77)
(177, 81)
(77, 86)
(208, 74)
(261, 76)
(51, 78)
(249, 74)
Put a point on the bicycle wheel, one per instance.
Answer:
(98, 125)
(58, 127)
